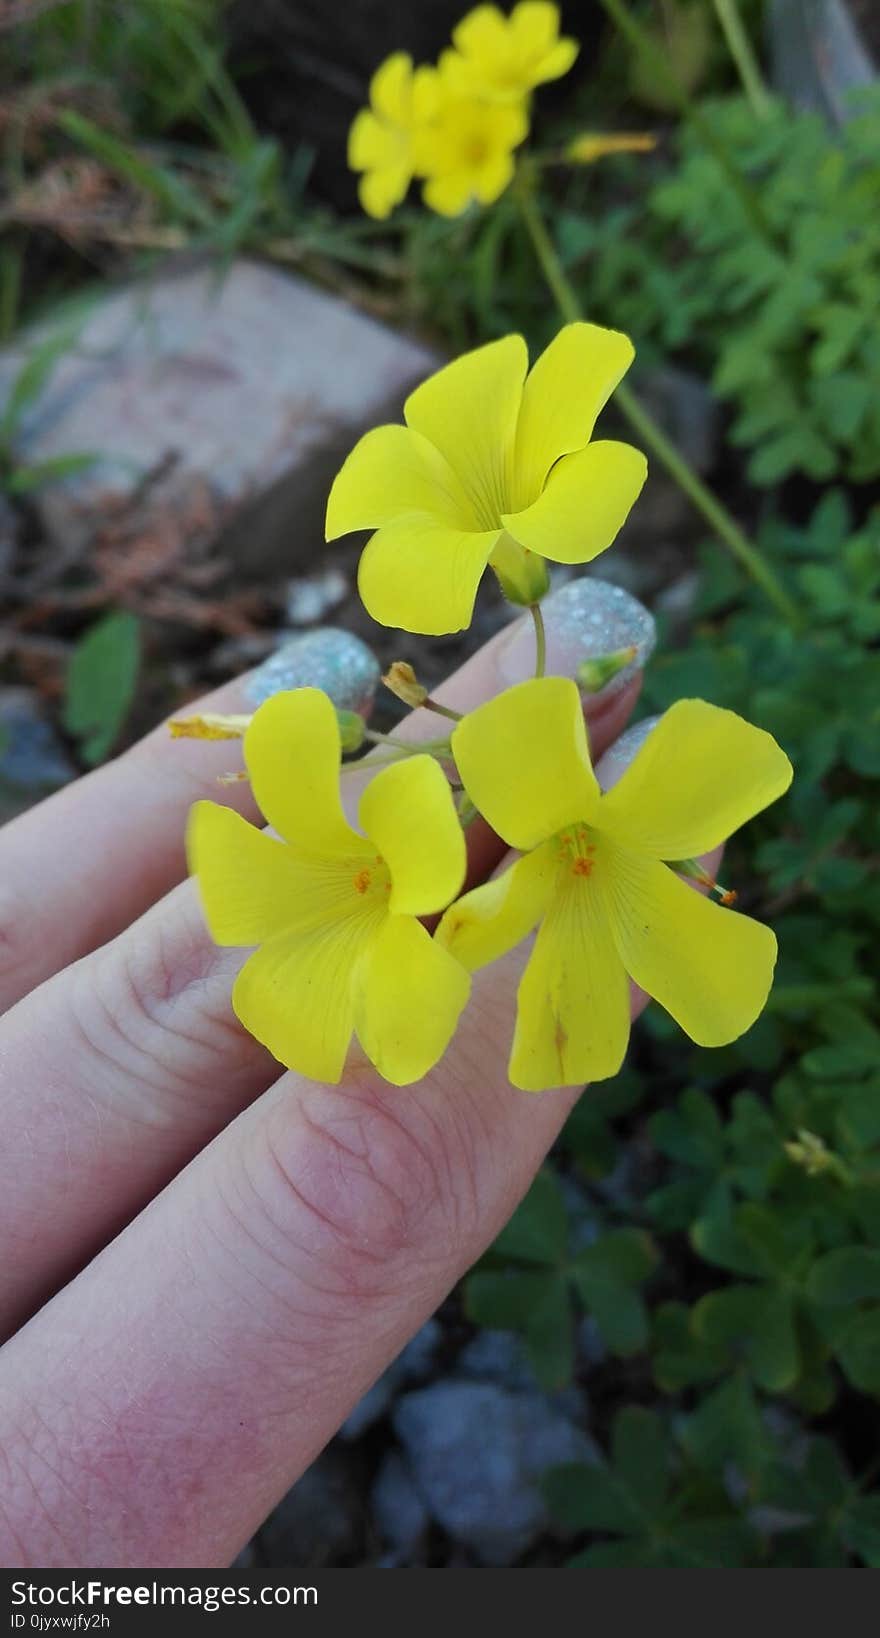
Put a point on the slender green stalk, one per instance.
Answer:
(740, 47)
(640, 38)
(540, 639)
(643, 423)
(441, 710)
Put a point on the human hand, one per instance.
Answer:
(234, 1256)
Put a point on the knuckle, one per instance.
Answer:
(148, 1012)
(371, 1190)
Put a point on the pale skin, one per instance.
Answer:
(206, 1262)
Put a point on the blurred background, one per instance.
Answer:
(672, 1354)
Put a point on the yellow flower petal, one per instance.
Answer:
(557, 62)
(469, 411)
(572, 1018)
(492, 919)
(709, 967)
(585, 502)
(408, 811)
(448, 195)
(564, 392)
(293, 754)
(371, 144)
(390, 88)
(409, 996)
(250, 885)
(380, 190)
(701, 774)
(421, 575)
(296, 995)
(524, 761)
(393, 472)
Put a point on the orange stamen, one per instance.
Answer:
(362, 881)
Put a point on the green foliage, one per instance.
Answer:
(785, 322)
(101, 680)
(537, 1272)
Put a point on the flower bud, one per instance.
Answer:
(351, 730)
(523, 577)
(209, 725)
(594, 673)
(592, 145)
(402, 681)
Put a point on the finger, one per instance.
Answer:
(215, 1346)
(212, 1350)
(79, 867)
(116, 1071)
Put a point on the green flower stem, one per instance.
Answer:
(740, 47)
(441, 710)
(641, 40)
(434, 747)
(540, 639)
(702, 497)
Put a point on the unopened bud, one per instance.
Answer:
(209, 725)
(810, 1152)
(698, 873)
(523, 577)
(351, 730)
(592, 145)
(595, 673)
(402, 681)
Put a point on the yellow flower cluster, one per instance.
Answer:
(494, 467)
(456, 125)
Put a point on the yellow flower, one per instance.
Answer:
(333, 911)
(466, 152)
(492, 467)
(506, 57)
(382, 137)
(593, 876)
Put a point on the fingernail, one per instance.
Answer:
(583, 620)
(329, 658)
(619, 755)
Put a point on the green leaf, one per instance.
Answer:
(590, 1498)
(549, 1334)
(606, 1275)
(505, 1300)
(756, 1323)
(850, 1274)
(640, 1453)
(538, 1230)
(101, 679)
(858, 1351)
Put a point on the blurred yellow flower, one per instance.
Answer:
(504, 58)
(593, 876)
(466, 152)
(493, 467)
(382, 137)
(334, 911)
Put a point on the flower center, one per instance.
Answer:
(576, 850)
(371, 881)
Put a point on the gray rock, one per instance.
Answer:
(319, 1521)
(32, 759)
(412, 1365)
(818, 56)
(249, 379)
(399, 1512)
(477, 1453)
(308, 599)
(499, 1357)
(686, 409)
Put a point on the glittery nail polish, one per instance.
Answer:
(619, 755)
(328, 658)
(584, 619)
